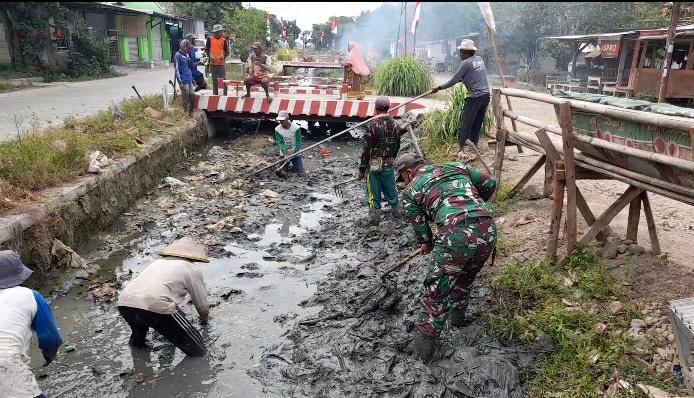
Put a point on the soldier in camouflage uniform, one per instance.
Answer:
(452, 196)
(381, 145)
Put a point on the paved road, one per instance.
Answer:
(41, 106)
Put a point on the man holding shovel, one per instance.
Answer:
(288, 138)
(453, 196)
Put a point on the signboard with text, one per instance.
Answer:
(609, 49)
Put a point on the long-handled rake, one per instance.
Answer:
(340, 187)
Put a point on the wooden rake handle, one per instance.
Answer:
(479, 156)
(400, 264)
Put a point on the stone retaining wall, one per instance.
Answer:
(75, 213)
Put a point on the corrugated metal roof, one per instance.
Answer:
(593, 36)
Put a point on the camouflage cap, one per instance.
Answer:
(406, 160)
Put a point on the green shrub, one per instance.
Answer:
(441, 126)
(285, 54)
(403, 77)
(647, 95)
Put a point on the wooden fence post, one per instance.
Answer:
(570, 174)
(500, 134)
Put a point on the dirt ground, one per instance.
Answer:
(666, 277)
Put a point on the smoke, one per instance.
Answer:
(375, 31)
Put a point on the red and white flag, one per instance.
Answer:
(333, 29)
(415, 19)
(284, 31)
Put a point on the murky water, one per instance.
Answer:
(255, 292)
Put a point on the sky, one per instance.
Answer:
(306, 14)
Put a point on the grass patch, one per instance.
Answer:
(583, 345)
(403, 77)
(63, 77)
(59, 154)
(7, 87)
(441, 126)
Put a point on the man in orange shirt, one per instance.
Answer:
(217, 50)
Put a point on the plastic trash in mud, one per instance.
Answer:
(63, 256)
(102, 291)
(97, 160)
(271, 195)
(171, 182)
(69, 347)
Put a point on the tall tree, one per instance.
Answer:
(248, 25)
(210, 12)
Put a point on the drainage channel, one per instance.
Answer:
(256, 285)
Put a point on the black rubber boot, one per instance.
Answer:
(396, 212)
(425, 346)
(457, 317)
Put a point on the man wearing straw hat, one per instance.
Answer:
(151, 300)
(473, 74)
(21, 311)
(217, 50)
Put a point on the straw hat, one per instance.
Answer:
(257, 44)
(12, 270)
(467, 44)
(186, 248)
(217, 28)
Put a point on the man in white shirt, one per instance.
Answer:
(151, 300)
(288, 138)
(22, 311)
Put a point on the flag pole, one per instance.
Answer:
(405, 52)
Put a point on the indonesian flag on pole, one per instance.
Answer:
(333, 29)
(284, 31)
(486, 10)
(415, 19)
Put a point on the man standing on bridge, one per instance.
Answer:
(217, 51)
(473, 74)
(453, 196)
(381, 146)
(198, 77)
(184, 75)
(258, 70)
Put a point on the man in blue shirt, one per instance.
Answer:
(21, 311)
(198, 77)
(184, 75)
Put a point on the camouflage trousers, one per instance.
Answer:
(459, 254)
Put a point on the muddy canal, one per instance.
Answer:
(285, 250)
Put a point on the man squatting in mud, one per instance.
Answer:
(453, 196)
(152, 299)
(381, 146)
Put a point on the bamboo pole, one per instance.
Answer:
(286, 158)
(570, 174)
(674, 16)
(500, 69)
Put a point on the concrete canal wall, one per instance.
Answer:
(73, 213)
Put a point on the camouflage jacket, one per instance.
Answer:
(382, 139)
(446, 195)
